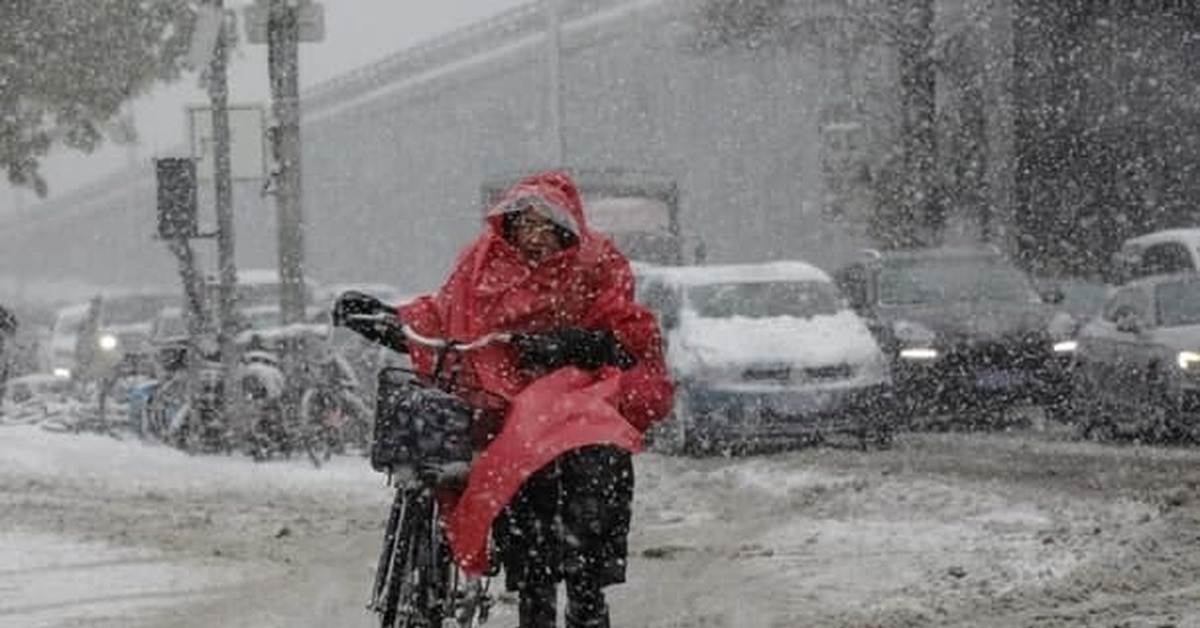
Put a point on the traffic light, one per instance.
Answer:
(176, 197)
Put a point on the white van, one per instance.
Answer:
(764, 351)
(68, 322)
(121, 334)
(1165, 252)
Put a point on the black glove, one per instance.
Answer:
(353, 302)
(585, 348)
(387, 331)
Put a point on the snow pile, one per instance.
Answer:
(135, 466)
(47, 581)
(801, 540)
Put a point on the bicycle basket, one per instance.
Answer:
(416, 425)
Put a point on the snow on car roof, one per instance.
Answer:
(78, 309)
(941, 252)
(782, 270)
(264, 276)
(36, 379)
(1190, 236)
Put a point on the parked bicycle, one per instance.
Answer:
(331, 406)
(424, 439)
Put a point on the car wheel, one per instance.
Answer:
(670, 437)
(1164, 423)
(875, 434)
(1098, 426)
(878, 421)
(1061, 408)
(1091, 419)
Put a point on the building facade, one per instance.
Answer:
(782, 141)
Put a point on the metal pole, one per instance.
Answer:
(283, 41)
(283, 44)
(555, 93)
(218, 90)
(921, 218)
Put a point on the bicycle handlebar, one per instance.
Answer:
(436, 343)
(443, 343)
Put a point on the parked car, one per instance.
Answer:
(765, 351)
(1078, 301)
(963, 328)
(1163, 252)
(264, 321)
(1082, 299)
(384, 292)
(260, 286)
(1138, 370)
(169, 338)
(124, 336)
(64, 335)
(34, 397)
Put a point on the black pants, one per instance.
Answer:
(569, 522)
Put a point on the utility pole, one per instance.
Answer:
(283, 47)
(218, 91)
(555, 93)
(918, 80)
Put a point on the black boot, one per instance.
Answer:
(538, 606)
(586, 607)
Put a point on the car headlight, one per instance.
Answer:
(1066, 346)
(1188, 359)
(108, 342)
(919, 353)
(703, 363)
(62, 373)
(916, 341)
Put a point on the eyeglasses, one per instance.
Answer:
(531, 221)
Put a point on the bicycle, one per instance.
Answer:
(423, 440)
(331, 409)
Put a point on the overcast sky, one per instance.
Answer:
(357, 32)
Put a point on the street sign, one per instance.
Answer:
(176, 197)
(247, 154)
(209, 22)
(204, 37)
(309, 14)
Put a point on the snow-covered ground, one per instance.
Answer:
(99, 571)
(51, 581)
(104, 532)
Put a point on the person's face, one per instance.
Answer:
(535, 236)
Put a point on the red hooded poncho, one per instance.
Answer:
(493, 288)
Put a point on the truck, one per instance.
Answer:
(638, 210)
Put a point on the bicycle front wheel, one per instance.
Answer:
(315, 435)
(413, 586)
(385, 594)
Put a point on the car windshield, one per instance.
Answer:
(172, 325)
(803, 299)
(1083, 299)
(952, 279)
(263, 318)
(126, 310)
(69, 323)
(1178, 303)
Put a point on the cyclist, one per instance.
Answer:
(584, 378)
